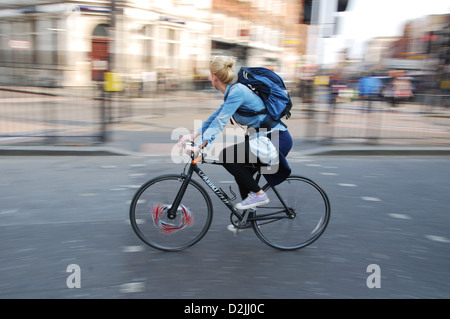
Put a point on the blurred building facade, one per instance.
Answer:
(422, 46)
(75, 42)
(422, 52)
(72, 43)
(260, 33)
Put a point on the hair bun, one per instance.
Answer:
(222, 66)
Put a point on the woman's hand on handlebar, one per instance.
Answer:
(187, 138)
(191, 150)
(186, 142)
(184, 139)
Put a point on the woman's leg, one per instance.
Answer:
(244, 178)
(235, 159)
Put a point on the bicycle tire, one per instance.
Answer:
(312, 211)
(147, 210)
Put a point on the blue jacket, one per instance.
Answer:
(369, 86)
(236, 96)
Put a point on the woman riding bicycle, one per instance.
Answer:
(237, 95)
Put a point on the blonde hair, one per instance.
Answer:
(222, 67)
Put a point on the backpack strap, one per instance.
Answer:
(268, 122)
(232, 120)
(251, 112)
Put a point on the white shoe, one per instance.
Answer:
(235, 230)
(253, 200)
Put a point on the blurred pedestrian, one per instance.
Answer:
(369, 89)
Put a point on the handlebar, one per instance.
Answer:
(195, 159)
(198, 157)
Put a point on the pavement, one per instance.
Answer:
(156, 136)
(153, 137)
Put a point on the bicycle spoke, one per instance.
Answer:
(152, 222)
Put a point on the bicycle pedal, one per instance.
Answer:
(233, 229)
(236, 230)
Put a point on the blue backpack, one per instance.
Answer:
(271, 89)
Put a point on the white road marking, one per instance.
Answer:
(140, 201)
(11, 211)
(136, 175)
(400, 216)
(439, 239)
(133, 249)
(132, 287)
(371, 199)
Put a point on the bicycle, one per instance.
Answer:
(173, 212)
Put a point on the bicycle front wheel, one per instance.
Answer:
(298, 213)
(149, 213)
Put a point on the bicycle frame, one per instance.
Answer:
(194, 168)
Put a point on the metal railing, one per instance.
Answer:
(378, 122)
(84, 116)
(50, 116)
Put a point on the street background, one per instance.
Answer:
(94, 97)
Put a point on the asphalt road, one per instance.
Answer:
(61, 211)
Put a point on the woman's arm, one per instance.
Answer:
(215, 124)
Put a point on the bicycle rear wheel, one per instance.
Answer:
(149, 207)
(298, 213)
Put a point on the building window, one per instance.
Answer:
(218, 28)
(45, 48)
(148, 45)
(21, 35)
(29, 42)
(169, 42)
(5, 36)
(231, 28)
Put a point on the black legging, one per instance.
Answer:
(243, 165)
(244, 178)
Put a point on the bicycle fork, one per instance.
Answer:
(172, 213)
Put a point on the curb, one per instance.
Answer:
(378, 151)
(62, 151)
